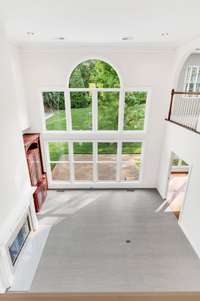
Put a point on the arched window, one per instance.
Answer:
(94, 74)
(92, 117)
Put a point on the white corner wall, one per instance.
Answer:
(50, 67)
(18, 80)
(186, 144)
(14, 177)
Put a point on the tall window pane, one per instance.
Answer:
(134, 110)
(81, 110)
(83, 171)
(194, 74)
(108, 105)
(130, 161)
(107, 151)
(107, 161)
(83, 151)
(60, 171)
(83, 157)
(54, 108)
(59, 161)
(188, 74)
(58, 151)
(107, 171)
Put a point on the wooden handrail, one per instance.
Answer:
(102, 297)
(183, 126)
(185, 93)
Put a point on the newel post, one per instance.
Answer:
(171, 103)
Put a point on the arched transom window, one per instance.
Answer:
(94, 74)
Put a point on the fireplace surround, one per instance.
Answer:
(16, 231)
(19, 240)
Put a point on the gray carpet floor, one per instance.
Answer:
(87, 251)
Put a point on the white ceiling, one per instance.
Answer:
(102, 21)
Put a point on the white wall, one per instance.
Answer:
(14, 178)
(186, 145)
(47, 67)
(20, 96)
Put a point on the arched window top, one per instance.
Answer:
(94, 74)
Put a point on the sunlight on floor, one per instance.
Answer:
(56, 208)
(67, 203)
(176, 192)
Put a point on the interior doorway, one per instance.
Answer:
(177, 185)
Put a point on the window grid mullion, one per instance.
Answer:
(95, 170)
(190, 78)
(94, 110)
(71, 161)
(119, 152)
(195, 85)
(48, 161)
(121, 110)
(68, 110)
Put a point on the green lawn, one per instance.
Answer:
(82, 120)
(57, 122)
(60, 149)
(57, 149)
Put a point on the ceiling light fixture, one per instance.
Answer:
(164, 34)
(60, 38)
(30, 33)
(127, 38)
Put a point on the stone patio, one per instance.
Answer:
(83, 168)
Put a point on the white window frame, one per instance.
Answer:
(69, 136)
(179, 167)
(188, 79)
(95, 182)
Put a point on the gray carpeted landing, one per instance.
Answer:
(86, 250)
